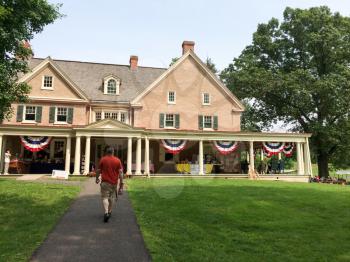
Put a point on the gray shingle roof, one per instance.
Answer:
(89, 78)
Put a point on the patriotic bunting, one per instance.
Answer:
(273, 148)
(225, 147)
(288, 149)
(35, 144)
(173, 146)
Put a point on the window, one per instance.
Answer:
(206, 99)
(61, 114)
(111, 87)
(58, 149)
(207, 122)
(98, 116)
(122, 117)
(169, 120)
(114, 115)
(107, 115)
(47, 82)
(171, 97)
(30, 112)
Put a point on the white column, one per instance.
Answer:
(307, 170)
(138, 156)
(251, 155)
(77, 156)
(68, 150)
(261, 154)
(299, 159)
(87, 155)
(200, 158)
(147, 157)
(129, 160)
(302, 159)
(279, 156)
(1, 155)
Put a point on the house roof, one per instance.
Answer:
(89, 77)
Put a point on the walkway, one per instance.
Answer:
(81, 234)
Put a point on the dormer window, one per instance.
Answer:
(171, 97)
(47, 82)
(111, 86)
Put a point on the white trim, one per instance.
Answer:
(45, 87)
(172, 102)
(203, 103)
(105, 85)
(204, 67)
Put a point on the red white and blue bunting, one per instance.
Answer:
(225, 147)
(173, 146)
(288, 149)
(35, 144)
(273, 148)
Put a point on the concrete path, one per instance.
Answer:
(81, 234)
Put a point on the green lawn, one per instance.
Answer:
(28, 211)
(242, 220)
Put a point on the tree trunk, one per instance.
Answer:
(322, 163)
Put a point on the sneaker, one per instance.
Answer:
(106, 217)
(109, 214)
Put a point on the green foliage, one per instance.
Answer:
(210, 64)
(28, 212)
(173, 60)
(19, 21)
(241, 220)
(297, 71)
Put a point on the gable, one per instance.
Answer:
(63, 88)
(109, 124)
(190, 80)
(189, 74)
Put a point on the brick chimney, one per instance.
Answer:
(187, 45)
(133, 62)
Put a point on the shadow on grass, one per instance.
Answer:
(247, 221)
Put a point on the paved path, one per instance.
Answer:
(81, 234)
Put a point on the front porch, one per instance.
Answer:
(78, 151)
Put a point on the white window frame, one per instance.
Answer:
(212, 122)
(165, 116)
(117, 85)
(46, 87)
(56, 114)
(95, 112)
(172, 102)
(203, 99)
(118, 112)
(24, 114)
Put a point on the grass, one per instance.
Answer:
(242, 220)
(28, 211)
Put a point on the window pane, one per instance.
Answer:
(62, 113)
(114, 116)
(112, 87)
(122, 117)
(30, 113)
(171, 96)
(98, 116)
(47, 81)
(206, 98)
(107, 115)
(169, 120)
(207, 121)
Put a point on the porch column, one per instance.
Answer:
(68, 150)
(1, 155)
(138, 156)
(87, 155)
(147, 157)
(129, 160)
(261, 154)
(200, 158)
(299, 159)
(251, 155)
(307, 166)
(52, 149)
(77, 156)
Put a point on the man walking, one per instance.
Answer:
(109, 168)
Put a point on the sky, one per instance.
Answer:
(110, 31)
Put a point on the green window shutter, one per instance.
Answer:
(52, 114)
(177, 121)
(215, 123)
(200, 122)
(70, 115)
(39, 111)
(161, 120)
(20, 113)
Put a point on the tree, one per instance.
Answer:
(211, 65)
(19, 21)
(173, 60)
(297, 71)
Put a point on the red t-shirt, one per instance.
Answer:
(110, 167)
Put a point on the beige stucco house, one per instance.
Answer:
(84, 106)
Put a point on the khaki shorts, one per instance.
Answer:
(108, 190)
